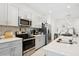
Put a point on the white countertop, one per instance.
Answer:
(9, 40)
(39, 35)
(63, 49)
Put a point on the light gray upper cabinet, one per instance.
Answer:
(37, 22)
(22, 13)
(8, 14)
(25, 13)
(3, 14)
(12, 15)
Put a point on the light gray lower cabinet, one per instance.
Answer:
(39, 41)
(11, 48)
(5, 52)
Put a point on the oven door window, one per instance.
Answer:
(28, 44)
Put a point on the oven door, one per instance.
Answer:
(29, 44)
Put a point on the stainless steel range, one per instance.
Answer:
(28, 42)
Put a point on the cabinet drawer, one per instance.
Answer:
(8, 51)
(12, 48)
(5, 52)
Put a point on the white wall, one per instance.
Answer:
(52, 27)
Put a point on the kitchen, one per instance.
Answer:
(30, 29)
(20, 34)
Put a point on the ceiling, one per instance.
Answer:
(57, 10)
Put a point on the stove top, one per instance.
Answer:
(24, 36)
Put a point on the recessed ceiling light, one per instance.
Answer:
(50, 11)
(68, 6)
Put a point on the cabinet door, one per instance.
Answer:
(5, 52)
(13, 48)
(22, 13)
(10, 51)
(16, 49)
(3, 13)
(39, 41)
(12, 15)
(25, 13)
(42, 40)
(36, 21)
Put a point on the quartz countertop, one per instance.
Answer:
(39, 35)
(9, 39)
(63, 49)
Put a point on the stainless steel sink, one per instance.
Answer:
(65, 42)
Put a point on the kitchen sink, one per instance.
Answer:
(66, 42)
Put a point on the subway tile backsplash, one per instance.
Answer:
(9, 28)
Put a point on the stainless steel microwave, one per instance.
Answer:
(24, 22)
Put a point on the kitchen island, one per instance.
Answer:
(62, 49)
(11, 47)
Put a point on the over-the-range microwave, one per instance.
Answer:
(24, 22)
